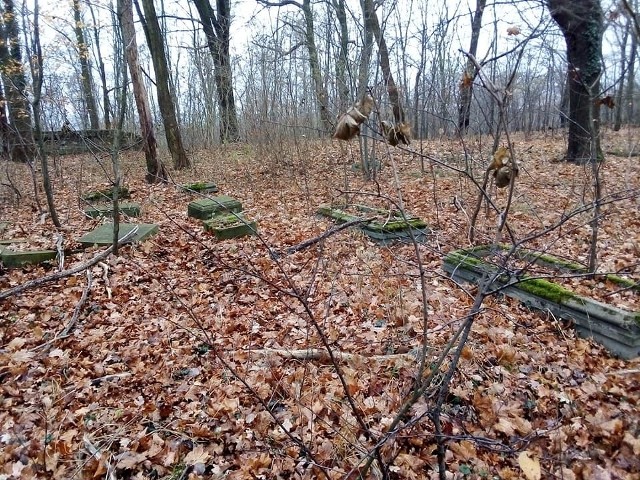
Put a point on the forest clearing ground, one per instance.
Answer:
(136, 379)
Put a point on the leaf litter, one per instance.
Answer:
(161, 376)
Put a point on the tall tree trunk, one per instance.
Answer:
(217, 31)
(156, 171)
(617, 124)
(342, 61)
(36, 72)
(631, 80)
(20, 145)
(582, 26)
(371, 18)
(470, 73)
(103, 75)
(322, 96)
(365, 56)
(85, 68)
(165, 98)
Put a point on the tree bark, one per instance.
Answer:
(617, 124)
(581, 24)
(20, 144)
(85, 68)
(631, 80)
(343, 60)
(165, 97)
(36, 71)
(372, 23)
(103, 75)
(156, 171)
(470, 73)
(216, 28)
(314, 63)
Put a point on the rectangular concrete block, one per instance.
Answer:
(12, 259)
(230, 226)
(206, 208)
(103, 235)
(129, 209)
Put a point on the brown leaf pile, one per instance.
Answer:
(173, 371)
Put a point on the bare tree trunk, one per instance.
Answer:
(36, 72)
(582, 26)
(217, 30)
(631, 80)
(20, 145)
(343, 60)
(617, 124)
(470, 73)
(85, 68)
(372, 23)
(165, 97)
(156, 171)
(103, 75)
(322, 95)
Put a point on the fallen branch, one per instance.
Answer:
(65, 273)
(79, 305)
(323, 355)
(327, 234)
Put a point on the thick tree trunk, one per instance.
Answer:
(217, 30)
(85, 68)
(155, 169)
(165, 98)
(582, 26)
(470, 73)
(20, 143)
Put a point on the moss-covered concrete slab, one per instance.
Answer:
(12, 259)
(199, 187)
(206, 208)
(230, 226)
(103, 235)
(618, 330)
(387, 227)
(106, 195)
(9, 241)
(130, 209)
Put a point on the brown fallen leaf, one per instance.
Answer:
(530, 466)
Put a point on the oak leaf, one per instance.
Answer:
(530, 466)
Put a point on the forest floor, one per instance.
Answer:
(183, 357)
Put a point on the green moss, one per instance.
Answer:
(226, 220)
(106, 194)
(535, 257)
(396, 225)
(336, 214)
(200, 186)
(545, 289)
(465, 258)
(623, 282)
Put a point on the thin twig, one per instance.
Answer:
(327, 234)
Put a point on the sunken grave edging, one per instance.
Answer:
(395, 228)
(618, 330)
